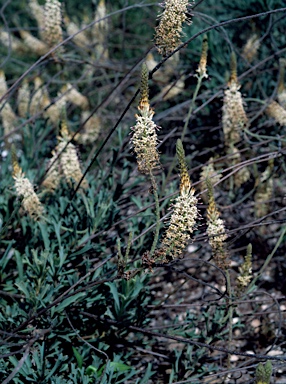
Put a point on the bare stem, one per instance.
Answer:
(190, 111)
(157, 211)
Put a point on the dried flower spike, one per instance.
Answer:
(53, 176)
(75, 97)
(144, 139)
(24, 189)
(277, 112)
(249, 51)
(69, 161)
(80, 38)
(7, 114)
(3, 84)
(216, 231)
(100, 30)
(233, 115)
(33, 44)
(9, 118)
(11, 42)
(245, 271)
(91, 129)
(168, 33)
(172, 90)
(40, 98)
(23, 99)
(55, 111)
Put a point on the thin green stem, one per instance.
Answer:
(230, 315)
(192, 106)
(268, 259)
(190, 111)
(157, 211)
(257, 136)
(247, 99)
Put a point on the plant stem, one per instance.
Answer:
(230, 314)
(157, 211)
(268, 259)
(192, 106)
(259, 137)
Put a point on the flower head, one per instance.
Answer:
(144, 139)
(64, 162)
(245, 275)
(53, 20)
(185, 213)
(216, 231)
(277, 112)
(24, 189)
(34, 44)
(99, 31)
(182, 222)
(251, 47)
(233, 115)
(23, 99)
(168, 33)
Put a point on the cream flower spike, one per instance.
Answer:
(69, 161)
(245, 271)
(144, 139)
(216, 231)
(184, 216)
(277, 112)
(53, 33)
(250, 49)
(169, 31)
(23, 99)
(99, 31)
(7, 114)
(234, 117)
(34, 44)
(11, 42)
(24, 189)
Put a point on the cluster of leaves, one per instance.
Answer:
(66, 316)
